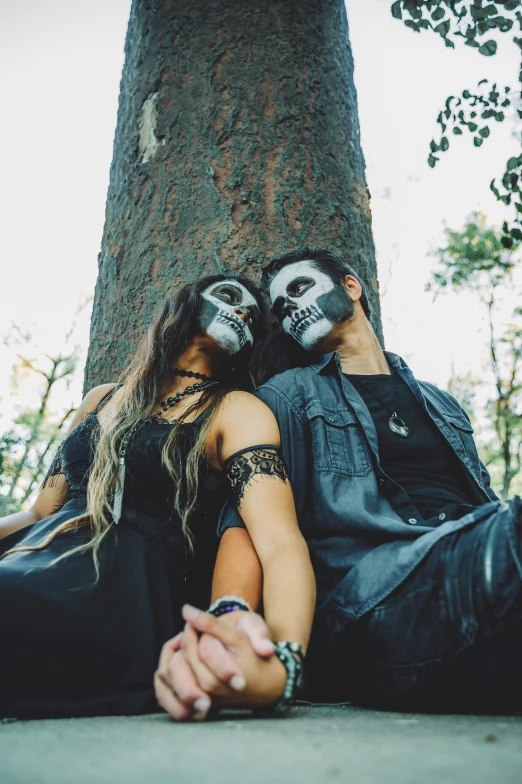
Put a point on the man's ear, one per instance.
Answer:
(353, 287)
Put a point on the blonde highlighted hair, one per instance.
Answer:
(144, 382)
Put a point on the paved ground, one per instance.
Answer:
(314, 745)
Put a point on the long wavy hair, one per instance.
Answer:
(144, 381)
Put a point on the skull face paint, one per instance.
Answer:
(308, 303)
(222, 315)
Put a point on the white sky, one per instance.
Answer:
(60, 66)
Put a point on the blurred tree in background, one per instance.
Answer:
(476, 260)
(29, 443)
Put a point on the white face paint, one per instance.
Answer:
(221, 315)
(308, 303)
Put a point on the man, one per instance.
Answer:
(418, 564)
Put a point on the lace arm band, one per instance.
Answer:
(55, 469)
(243, 466)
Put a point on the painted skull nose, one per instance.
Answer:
(289, 306)
(243, 312)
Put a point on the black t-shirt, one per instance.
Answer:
(423, 464)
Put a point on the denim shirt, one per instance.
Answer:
(364, 534)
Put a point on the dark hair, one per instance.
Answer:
(334, 266)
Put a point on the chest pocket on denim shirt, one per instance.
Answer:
(338, 443)
(461, 428)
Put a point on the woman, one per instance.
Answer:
(93, 577)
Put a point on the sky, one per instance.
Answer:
(60, 66)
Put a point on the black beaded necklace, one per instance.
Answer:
(191, 374)
(172, 401)
(207, 383)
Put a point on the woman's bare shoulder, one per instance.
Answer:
(238, 402)
(95, 396)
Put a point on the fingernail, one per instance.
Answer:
(237, 683)
(269, 644)
(190, 612)
(202, 706)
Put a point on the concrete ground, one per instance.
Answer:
(312, 745)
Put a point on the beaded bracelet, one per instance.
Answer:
(228, 604)
(291, 656)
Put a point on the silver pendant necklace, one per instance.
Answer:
(395, 423)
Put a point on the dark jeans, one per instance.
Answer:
(450, 637)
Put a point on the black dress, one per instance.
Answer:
(74, 646)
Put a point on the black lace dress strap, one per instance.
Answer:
(106, 398)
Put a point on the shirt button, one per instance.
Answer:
(412, 521)
(381, 482)
(331, 418)
(442, 516)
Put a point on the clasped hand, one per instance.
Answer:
(218, 662)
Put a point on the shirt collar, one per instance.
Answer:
(327, 361)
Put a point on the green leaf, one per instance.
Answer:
(457, 131)
(503, 24)
(432, 160)
(443, 28)
(412, 25)
(433, 146)
(466, 94)
(512, 164)
(472, 43)
(488, 49)
(490, 10)
(494, 188)
(472, 126)
(437, 14)
(516, 234)
(484, 132)
(507, 242)
(444, 144)
(518, 42)
(449, 43)
(507, 102)
(397, 10)
(477, 141)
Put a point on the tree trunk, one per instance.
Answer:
(237, 140)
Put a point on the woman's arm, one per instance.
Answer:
(51, 498)
(265, 502)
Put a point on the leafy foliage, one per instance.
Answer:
(473, 111)
(27, 447)
(477, 260)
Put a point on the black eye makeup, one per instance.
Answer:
(299, 286)
(229, 294)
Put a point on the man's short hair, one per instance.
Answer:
(334, 266)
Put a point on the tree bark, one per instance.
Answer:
(237, 139)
